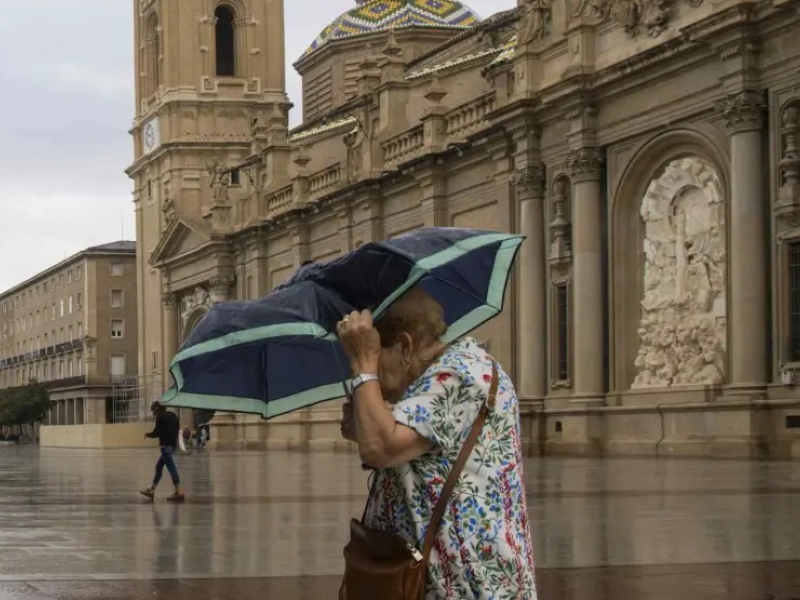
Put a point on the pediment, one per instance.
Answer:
(182, 236)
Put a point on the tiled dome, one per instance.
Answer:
(380, 15)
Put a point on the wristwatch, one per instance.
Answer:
(359, 380)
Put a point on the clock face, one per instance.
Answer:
(150, 136)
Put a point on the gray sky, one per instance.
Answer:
(67, 97)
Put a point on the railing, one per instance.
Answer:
(42, 352)
(469, 118)
(65, 382)
(324, 181)
(280, 201)
(406, 146)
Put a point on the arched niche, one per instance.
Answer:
(627, 232)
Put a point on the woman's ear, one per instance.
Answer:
(406, 346)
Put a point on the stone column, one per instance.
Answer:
(172, 341)
(749, 330)
(224, 432)
(585, 165)
(531, 297)
(172, 330)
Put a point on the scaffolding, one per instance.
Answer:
(131, 397)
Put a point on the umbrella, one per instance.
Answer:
(280, 353)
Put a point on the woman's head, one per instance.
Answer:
(410, 331)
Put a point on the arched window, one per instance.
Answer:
(152, 56)
(226, 46)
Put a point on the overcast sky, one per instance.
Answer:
(66, 95)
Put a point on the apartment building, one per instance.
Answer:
(74, 328)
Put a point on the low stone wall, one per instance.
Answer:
(118, 435)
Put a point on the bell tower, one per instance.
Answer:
(205, 70)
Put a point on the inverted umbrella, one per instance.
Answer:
(280, 353)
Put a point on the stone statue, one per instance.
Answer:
(634, 16)
(534, 21)
(682, 333)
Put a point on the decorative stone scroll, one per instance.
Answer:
(635, 16)
(529, 180)
(682, 332)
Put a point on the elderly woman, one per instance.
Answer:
(411, 412)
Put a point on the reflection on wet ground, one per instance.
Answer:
(272, 525)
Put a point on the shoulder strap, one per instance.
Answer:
(463, 456)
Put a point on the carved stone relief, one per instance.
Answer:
(682, 332)
(560, 227)
(194, 301)
(635, 16)
(788, 206)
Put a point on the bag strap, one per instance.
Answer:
(461, 461)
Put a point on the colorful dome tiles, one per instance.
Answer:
(382, 15)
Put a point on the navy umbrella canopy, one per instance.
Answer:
(280, 353)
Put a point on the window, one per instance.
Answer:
(69, 368)
(60, 281)
(117, 299)
(45, 340)
(61, 308)
(78, 273)
(46, 372)
(117, 269)
(69, 334)
(236, 178)
(225, 42)
(70, 305)
(53, 312)
(61, 369)
(80, 330)
(794, 302)
(152, 57)
(61, 338)
(118, 365)
(78, 301)
(37, 317)
(69, 276)
(562, 331)
(117, 328)
(79, 366)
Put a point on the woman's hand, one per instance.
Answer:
(348, 423)
(360, 341)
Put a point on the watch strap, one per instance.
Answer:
(359, 380)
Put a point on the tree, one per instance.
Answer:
(25, 404)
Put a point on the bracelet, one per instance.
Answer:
(359, 380)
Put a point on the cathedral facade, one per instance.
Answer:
(647, 149)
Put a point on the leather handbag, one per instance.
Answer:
(380, 565)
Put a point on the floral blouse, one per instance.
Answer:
(483, 547)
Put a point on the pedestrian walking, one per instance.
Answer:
(167, 430)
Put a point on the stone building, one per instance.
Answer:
(73, 327)
(648, 149)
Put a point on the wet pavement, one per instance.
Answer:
(272, 525)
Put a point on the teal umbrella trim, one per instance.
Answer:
(255, 406)
(494, 303)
